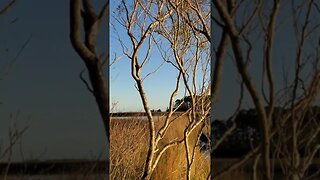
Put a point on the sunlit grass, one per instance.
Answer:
(129, 144)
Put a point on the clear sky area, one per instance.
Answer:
(42, 88)
(124, 96)
(123, 93)
(283, 61)
(158, 86)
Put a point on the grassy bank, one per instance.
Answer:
(54, 169)
(245, 171)
(129, 144)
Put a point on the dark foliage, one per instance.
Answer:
(247, 133)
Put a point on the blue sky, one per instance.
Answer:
(284, 50)
(44, 85)
(158, 86)
(122, 90)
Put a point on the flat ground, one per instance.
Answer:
(129, 144)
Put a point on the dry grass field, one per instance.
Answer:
(245, 171)
(129, 144)
(74, 176)
(55, 169)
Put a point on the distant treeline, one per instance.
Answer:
(54, 167)
(247, 134)
(133, 114)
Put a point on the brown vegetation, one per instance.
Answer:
(129, 145)
(54, 169)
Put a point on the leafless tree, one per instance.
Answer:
(247, 27)
(83, 18)
(161, 24)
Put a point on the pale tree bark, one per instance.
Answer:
(263, 16)
(264, 122)
(83, 18)
(185, 55)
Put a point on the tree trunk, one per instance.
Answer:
(99, 84)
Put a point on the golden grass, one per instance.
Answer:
(129, 144)
(245, 171)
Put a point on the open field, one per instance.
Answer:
(128, 149)
(245, 171)
(72, 170)
(67, 176)
(62, 170)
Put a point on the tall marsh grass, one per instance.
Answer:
(129, 145)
